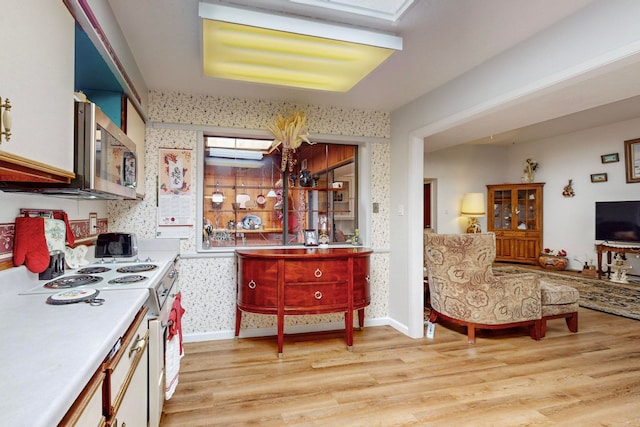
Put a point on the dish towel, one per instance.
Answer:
(30, 244)
(71, 239)
(174, 348)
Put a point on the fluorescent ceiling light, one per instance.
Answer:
(241, 44)
(235, 154)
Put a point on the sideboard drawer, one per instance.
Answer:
(316, 294)
(315, 270)
(258, 283)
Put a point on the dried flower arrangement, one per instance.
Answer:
(530, 167)
(290, 133)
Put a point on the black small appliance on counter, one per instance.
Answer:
(114, 245)
(55, 268)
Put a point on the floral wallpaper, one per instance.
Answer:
(207, 282)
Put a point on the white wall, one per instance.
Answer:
(569, 223)
(459, 170)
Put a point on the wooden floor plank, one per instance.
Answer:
(389, 379)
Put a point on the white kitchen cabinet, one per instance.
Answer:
(126, 377)
(87, 410)
(37, 77)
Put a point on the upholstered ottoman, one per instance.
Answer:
(559, 301)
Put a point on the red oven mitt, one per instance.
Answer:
(30, 244)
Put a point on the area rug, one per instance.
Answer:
(622, 299)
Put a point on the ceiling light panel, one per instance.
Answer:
(389, 10)
(291, 52)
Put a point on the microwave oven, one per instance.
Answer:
(104, 161)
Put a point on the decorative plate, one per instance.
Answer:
(251, 222)
(72, 296)
(217, 197)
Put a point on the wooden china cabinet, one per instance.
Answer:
(514, 214)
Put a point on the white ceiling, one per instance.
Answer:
(443, 39)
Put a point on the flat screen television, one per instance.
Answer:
(618, 221)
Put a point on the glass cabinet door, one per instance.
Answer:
(502, 211)
(526, 210)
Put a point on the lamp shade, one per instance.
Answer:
(473, 204)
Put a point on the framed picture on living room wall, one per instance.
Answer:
(610, 158)
(632, 159)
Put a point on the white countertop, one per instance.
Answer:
(50, 352)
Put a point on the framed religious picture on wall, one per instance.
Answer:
(632, 159)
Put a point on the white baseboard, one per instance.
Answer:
(295, 329)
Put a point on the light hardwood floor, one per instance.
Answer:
(591, 378)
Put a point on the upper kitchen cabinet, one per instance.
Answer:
(37, 78)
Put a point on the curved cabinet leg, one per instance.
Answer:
(238, 321)
(361, 318)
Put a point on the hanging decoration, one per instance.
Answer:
(567, 191)
(290, 132)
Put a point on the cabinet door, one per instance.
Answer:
(257, 284)
(361, 282)
(132, 410)
(126, 376)
(504, 247)
(502, 209)
(527, 209)
(41, 97)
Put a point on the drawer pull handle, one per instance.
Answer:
(138, 344)
(252, 285)
(317, 273)
(317, 295)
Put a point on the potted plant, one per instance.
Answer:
(553, 259)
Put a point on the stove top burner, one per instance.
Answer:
(137, 268)
(72, 281)
(93, 270)
(123, 280)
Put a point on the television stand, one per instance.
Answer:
(609, 248)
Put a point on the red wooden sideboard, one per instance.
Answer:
(303, 281)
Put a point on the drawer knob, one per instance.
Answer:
(252, 285)
(368, 278)
(317, 273)
(317, 295)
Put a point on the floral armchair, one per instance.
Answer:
(464, 290)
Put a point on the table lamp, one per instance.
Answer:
(473, 207)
